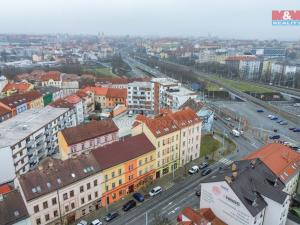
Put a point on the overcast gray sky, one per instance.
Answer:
(223, 18)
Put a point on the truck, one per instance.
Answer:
(235, 133)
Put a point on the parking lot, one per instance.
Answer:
(288, 106)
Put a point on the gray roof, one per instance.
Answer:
(22, 125)
(12, 208)
(254, 180)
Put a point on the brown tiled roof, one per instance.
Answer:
(19, 87)
(19, 99)
(73, 99)
(54, 75)
(54, 173)
(122, 151)
(185, 117)
(116, 93)
(195, 106)
(12, 208)
(93, 129)
(4, 111)
(62, 103)
(282, 160)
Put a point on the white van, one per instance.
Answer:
(155, 191)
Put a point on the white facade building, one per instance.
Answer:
(249, 69)
(30, 137)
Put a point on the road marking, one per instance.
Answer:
(225, 161)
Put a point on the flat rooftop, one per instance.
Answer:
(21, 126)
(180, 91)
(165, 81)
(140, 84)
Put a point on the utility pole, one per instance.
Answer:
(146, 218)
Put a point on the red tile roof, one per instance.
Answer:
(73, 99)
(19, 87)
(19, 99)
(122, 151)
(168, 122)
(116, 93)
(4, 111)
(87, 131)
(282, 160)
(62, 103)
(97, 90)
(5, 188)
(51, 75)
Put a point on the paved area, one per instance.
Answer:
(260, 121)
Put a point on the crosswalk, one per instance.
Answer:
(225, 161)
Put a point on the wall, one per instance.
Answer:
(7, 168)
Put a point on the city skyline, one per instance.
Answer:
(242, 20)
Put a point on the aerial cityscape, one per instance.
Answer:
(149, 112)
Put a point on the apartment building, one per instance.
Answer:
(4, 114)
(60, 192)
(247, 192)
(190, 134)
(78, 106)
(108, 98)
(77, 140)
(143, 97)
(88, 101)
(164, 134)
(127, 165)
(28, 138)
(19, 103)
(50, 94)
(283, 161)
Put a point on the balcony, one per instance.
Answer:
(39, 147)
(32, 159)
(30, 151)
(30, 143)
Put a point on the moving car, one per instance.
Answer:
(270, 116)
(296, 130)
(194, 169)
(279, 121)
(235, 133)
(111, 216)
(203, 165)
(82, 222)
(259, 110)
(206, 171)
(96, 222)
(274, 118)
(274, 137)
(129, 205)
(283, 123)
(155, 191)
(139, 197)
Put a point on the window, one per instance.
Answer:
(36, 209)
(55, 213)
(113, 174)
(83, 212)
(113, 185)
(54, 202)
(88, 186)
(81, 189)
(130, 167)
(130, 177)
(146, 160)
(106, 177)
(82, 201)
(158, 144)
(73, 205)
(47, 217)
(113, 196)
(140, 172)
(151, 158)
(65, 196)
(96, 194)
(89, 197)
(106, 188)
(71, 194)
(38, 221)
(45, 205)
(120, 181)
(67, 208)
(95, 183)
(140, 162)
(120, 171)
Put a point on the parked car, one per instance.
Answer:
(228, 118)
(198, 193)
(274, 118)
(139, 197)
(206, 171)
(194, 169)
(259, 110)
(155, 191)
(96, 222)
(279, 121)
(203, 165)
(110, 216)
(275, 130)
(292, 128)
(82, 222)
(274, 137)
(296, 130)
(283, 123)
(270, 116)
(129, 205)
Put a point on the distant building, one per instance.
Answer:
(88, 101)
(28, 138)
(19, 103)
(12, 88)
(4, 114)
(3, 82)
(247, 192)
(269, 52)
(283, 161)
(85, 137)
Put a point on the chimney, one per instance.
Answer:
(233, 167)
(253, 162)
(40, 167)
(228, 179)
